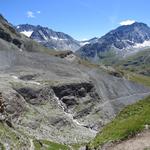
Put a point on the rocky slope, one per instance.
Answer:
(123, 41)
(49, 38)
(50, 98)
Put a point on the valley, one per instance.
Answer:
(53, 100)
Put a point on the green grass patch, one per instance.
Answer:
(138, 63)
(108, 57)
(47, 145)
(6, 134)
(87, 63)
(2, 146)
(131, 120)
(77, 146)
(133, 76)
(141, 79)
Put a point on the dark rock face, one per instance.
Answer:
(11, 107)
(36, 97)
(28, 93)
(17, 43)
(59, 122)
(25, 27)
(123, 37)
(78, 90)
(1, 104)
(50, 38)
(5, 36)
(69, 101)
(28, 77)
(64, 54)
(84, 112)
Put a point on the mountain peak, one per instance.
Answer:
(48, 37)
(122, 41)
(136, 25)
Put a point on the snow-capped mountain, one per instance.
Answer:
(123, 41)
(49, 38)
(26, 29)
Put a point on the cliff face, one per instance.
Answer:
(49, 38)
(120, 42)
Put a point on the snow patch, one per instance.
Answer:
(55, 38)
(141, 45)
(18, 27)
(27, 33)
(134, 49)
(84, 43)
(43, 35)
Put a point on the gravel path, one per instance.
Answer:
(140, 142)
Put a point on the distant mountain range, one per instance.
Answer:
(52, 39)
(122, 41)
(49, 38)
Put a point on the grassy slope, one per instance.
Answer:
(15, 139)
(107, 57)
(17, 142)
(136, 67)
(141, 79)
(139, 63)
(133, 76)
(130, 121)
(47, 145)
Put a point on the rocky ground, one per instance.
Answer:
(50, 98)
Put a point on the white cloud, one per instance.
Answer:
(38, 12)
(30, 14)
(127, 22)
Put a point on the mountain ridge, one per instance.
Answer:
(48, 37)
(121, 41)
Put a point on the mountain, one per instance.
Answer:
(49, 38)
(123, 41)
(47, 100)
(11, 39)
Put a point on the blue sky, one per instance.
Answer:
(82, 19)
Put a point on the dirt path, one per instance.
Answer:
(140, 142)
